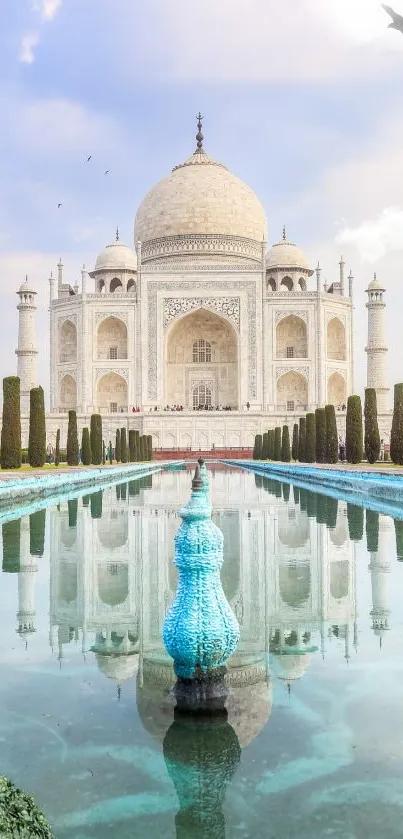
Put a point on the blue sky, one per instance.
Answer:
(303, 104)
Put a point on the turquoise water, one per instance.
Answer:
(313, 744)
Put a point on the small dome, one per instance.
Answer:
(286, 255)
(26, 288)
(116, 257)
(375, 285)
(120, 668)
(289, 668)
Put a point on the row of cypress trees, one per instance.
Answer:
(314, 439)
(11, 428)
(273, 445)
(137, 449)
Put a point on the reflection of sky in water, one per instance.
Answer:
(316, 697)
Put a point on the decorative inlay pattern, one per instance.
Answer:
(69, 371)
(196, 245)
(304, 371)
(103, 371)
(62, 318)
(285, 313)
(98, 316)
(228, 306)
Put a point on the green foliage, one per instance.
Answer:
(372, 439)
(355, 518)
(117, 446)
(285, 445)
(11, 428)
(110, 452)
(37, 533)
(321, 509)
(96, 504)
(295, 492)
(20, 818)
(258, 481)
(149, 446)
(103, 453)
(257, 448)
(132, 445)
(123, 445)
(137, 446)
(37, 427)
(310, 439)
(123, 492)
(354, 439)
(57, 452)
(286, 492)
(72, 508)
(399, 539)
(86, 500)
(301, 440)
(332, 440)
(11, 532)
(265, 446)
(277, 443)
(332, 510)
(320, 424)
(86, 447)
(72, 440)
(311, 504)
(96, 439)
(396, 437)
(134, 489)
(372, 530)
(303, 499)
(295, 441)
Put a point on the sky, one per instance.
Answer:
(302, 100)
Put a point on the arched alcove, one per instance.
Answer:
(295, 583)
(131, 285)
(291, 338)
(339, 535)
(115, 285)
(100, 286)
(339, 578)
(292, 392)
(302, 283)
(67, 589)
(112, 394)
(201, 352)
(67, 342)
(113, 583)
(336, 340)
(336, 390)
(68, 393)
(112, 339)
(293, 533)
(286, 284)
(113, 530)
(271, 284)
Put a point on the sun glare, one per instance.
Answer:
(360, 20)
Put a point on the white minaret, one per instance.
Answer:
(379, 568)
(26, 352)
(377, 347)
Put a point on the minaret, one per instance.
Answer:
(377, 347)
(26, 352)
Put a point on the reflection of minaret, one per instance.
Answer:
(377, 347)
(380, 577)
(26, 584)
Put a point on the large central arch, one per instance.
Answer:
(201, 358)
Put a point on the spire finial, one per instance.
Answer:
(117, 233)
(197, 482)
(374, 275)
(26, 278)
(199, 135)
(284, 233)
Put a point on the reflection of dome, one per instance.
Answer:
(116, 257)
(289, 668)
(285, 254)
(200, 199)
(120, 668)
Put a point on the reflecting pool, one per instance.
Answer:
(313, 743)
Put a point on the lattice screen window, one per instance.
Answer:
(201, 396)
(201, 351)
(290, 405)
(290, 352)
(113, 352)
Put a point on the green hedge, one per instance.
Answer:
(117, 446)
(57, 453)
(265, 446)
(372, 530)
(285, 445)
(11, 533)
(37, 533)
(301, 440)
(332, 440)
(132, 445)
(354, 437)
(396, 437)
(20, 818)
(96, 439)
(372, 439)
(277, 443)
(123, 445)
(37, 428)
(11, 428)
(85, 447)
(320, 425)
(310, 439)
(295, 441)
(73, 453)
(355, 518)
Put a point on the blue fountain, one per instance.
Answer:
(200, 630)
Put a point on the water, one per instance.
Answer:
(313, 745)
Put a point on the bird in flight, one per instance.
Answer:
(59, 205)
(89, 158)
(397, 20)
(107, 172)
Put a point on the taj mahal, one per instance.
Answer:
(200, 334)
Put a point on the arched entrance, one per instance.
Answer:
(68, 393)
(112, 339)
(292, 338)
(336, 390)
(292, 392)
(336, 340)
(112, 394)
(201, 362)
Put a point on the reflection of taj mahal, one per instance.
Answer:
(200, 315)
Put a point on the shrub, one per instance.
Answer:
(332, 440)
(399, 539)
(19, 815)
(277, 443)
(11, 428)
(295, 441)
(310, 439)
(123, 445)
(137, 446)
(11, 532)
(96, 504)
(110, 452)
(396, 437)
(37, 533)
(301, 440)
(265, 446)
(132, 445)
(303, 499)
(103, 453)
(372, 530)
(150, 446)
(86, 447)
(354, 430)
(320, 425)
(57, 453)
(72, 440)
(311, 504)
(286, 492)
(295, 492)
(271, 444)
(332, 505)
(37, 427)
(96, 439)
(72, 506)
(285, 445)
(355, 518)
(117, 446)
(372, 439)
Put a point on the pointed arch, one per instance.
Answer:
(67, 342)
(291, 337)
(68, 393)
(336, 339)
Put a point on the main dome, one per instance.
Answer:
(200, 210)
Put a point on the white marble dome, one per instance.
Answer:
(285, 254)
(199, 203)
(116, 257)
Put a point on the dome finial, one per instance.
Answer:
(117, 233)
(284, 233)
(199, 135)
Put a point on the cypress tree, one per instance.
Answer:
(257, 449)
(310, 439)
(332, 510)
(372, 530)
(354, 430)
(320, 423)
(86, 500)
(133, 488)
(355, 518)
(57, 453)
(396, 437)
(399, 539)
(372, 439)
(277, 487)
(96, 439)
(265, 446)
(37, 427)
(117, 446)
(96, 504)
(286, 492)
(132, 445)
(332, 440)
(270, 444)
(11, 428)
(86, 447)
(103, 453)
(301, 440)
(150, 446)
(303, 499)
(37, 533)
(143, 453)
(295, 492)
(72, 440)
(11, 532)
(285, 446)
(123, 445)
(110, 452)
(321, 509)
(295, 441)
(72, 508)
(311, 504)
(277, 443)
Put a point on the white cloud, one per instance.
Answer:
(28, 44)
(47, 10)
(375, 238)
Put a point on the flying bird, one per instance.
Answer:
(397, 20)
(89, 158)
(59, 205)
(107, 172)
